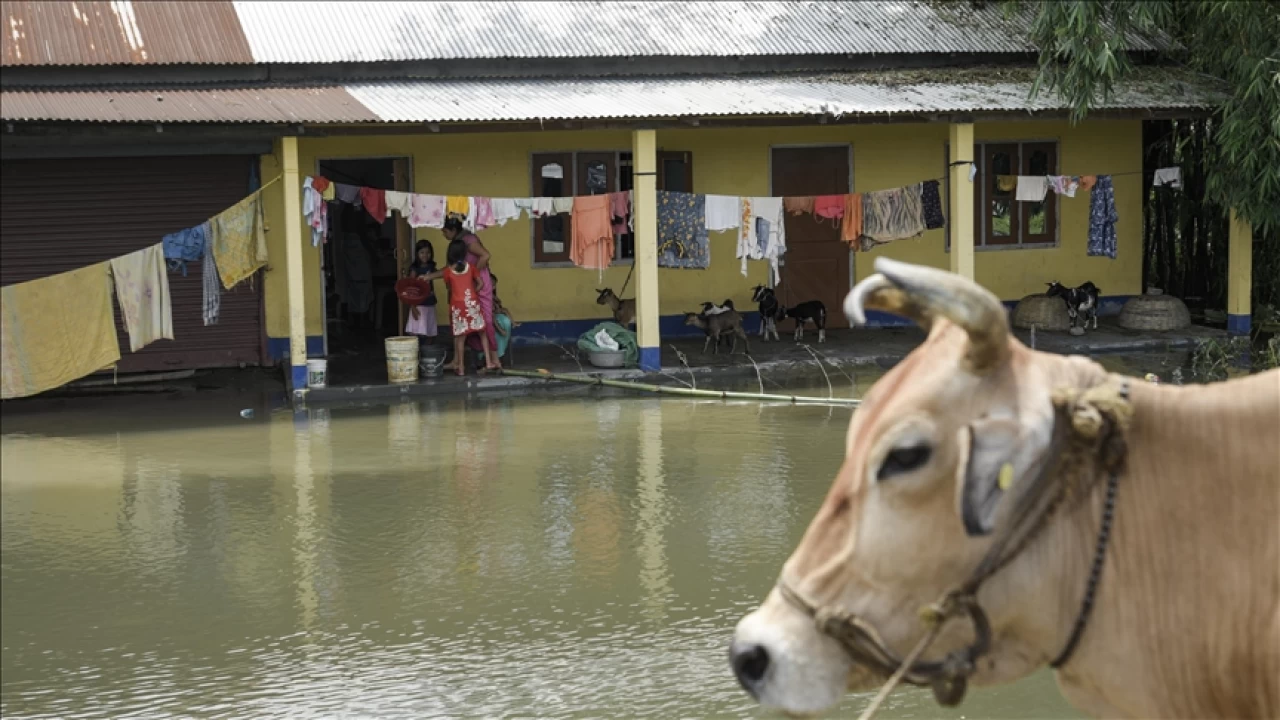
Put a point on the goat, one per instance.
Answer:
(814, 311)
(728, 323)
(770, 311)
(710, 308)
(624, 311)
(1082, 302)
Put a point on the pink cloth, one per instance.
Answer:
(485, 297)
(620, 209)
(426, 211)
(425, 325)
(483, 209)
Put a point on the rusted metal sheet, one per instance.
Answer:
(262, 105)
(62, 32)
(58, 215)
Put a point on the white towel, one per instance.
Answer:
(1032, 188)
(142, 291)
(723, 212)
(400, 202)
(542, 206)
(561, 205)
(1171, 176)
(504, 209)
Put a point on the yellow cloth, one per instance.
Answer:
(142, 290)
(239, 240)
(1006, 183)
(329, 193)
(460, 204)
(55, 330)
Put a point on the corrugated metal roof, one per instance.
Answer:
(121, 33)
(265, 105)
(826, 94)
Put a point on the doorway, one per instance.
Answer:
(361, 262)
(817, 265)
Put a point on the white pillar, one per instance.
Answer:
(961, 141)
(644, 161)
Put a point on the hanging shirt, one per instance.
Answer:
(349, 194)
(1032, 188)
(798, 205)
(375, 203)
(142, 290)
(1103, 219)
(592, 232)
(524, 205)
(683, 241)
(504, 209)
(426, 211)
(542, 206)
(620, 209)
(931, 205)
(1064, 185)
(1171, 176)
(773, 244)
(184, 246)
(315, 210)
(562, 205)
(889, 215)
(55, 330)
(400, 202)
(723, 212)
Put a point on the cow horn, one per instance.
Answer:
(923, 293)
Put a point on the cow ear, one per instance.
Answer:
(999, 452)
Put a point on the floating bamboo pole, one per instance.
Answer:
(683, 391)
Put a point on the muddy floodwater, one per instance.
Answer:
(566, 556)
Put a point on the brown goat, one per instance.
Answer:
(727, 323)
(624, 311)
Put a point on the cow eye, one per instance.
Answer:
(903, 460)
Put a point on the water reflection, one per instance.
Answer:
(576, 557)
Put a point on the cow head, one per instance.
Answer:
(929, 457)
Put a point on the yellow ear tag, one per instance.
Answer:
(1006, 476)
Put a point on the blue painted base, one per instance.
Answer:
(298, 376)
(1239, 325)
(278, 348)
(650, 359)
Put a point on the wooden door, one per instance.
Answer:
(402, 182)
(817, 262)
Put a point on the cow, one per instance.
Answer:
(1153, 588)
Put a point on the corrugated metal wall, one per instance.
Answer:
(61, 214)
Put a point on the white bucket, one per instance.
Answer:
(317, 373)
(402, 359)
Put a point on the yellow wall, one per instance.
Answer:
(734, 162)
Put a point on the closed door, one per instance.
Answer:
(817, 262)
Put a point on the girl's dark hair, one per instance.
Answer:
(453, 223)
(457, 254)
(493, 279)
(423, 244)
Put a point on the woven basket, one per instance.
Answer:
(1155, 312)
(1042, 311)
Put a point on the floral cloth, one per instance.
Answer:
(889, 215)
(683, 240)
(426, 211)
(142, 289)
(239, 240)
(1103, 219)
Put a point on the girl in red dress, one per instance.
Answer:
(465, 314)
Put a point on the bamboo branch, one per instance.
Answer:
(684, 391)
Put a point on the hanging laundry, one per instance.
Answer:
(889, 215)
(349, 194)
(457, 205)
(481, 215)
(212, 286)
(524, 205)
(55, 330)
(329, 193)
(723, 212)
(1087, 182)
(1103, 219)
(399, 201)
(142, 290)
(828, 207)
(504, 209)
(561, 205)
(683, 241)
(1032, 188)
(184, 246)
(1006, 183)
(851, 228)
(1064, 185)
(375, 203)
(798, 205)
(320, 183)
(592, 244)
(426, 211)
(931, 205)
(620, 209)
(769, 246)
(542, 207)
(239, 240)
(315, 210)
(1171, 176)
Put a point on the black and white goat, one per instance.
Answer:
(1082, 302)
(771, 311)
(812, 311)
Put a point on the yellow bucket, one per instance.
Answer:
(402, 359)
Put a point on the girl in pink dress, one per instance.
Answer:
(465, 314)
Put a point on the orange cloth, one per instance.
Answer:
(798, 205)
(1087, 182)
(852, 227)
(592, 245)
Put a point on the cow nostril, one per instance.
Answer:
(750, 662)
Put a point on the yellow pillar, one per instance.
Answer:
(962, 150)
(291, 186)
(644, 162)
(1239, 275)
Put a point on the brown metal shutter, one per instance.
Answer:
(61, 214)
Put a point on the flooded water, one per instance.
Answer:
(529, 557)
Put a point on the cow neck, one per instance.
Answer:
(1090, 432)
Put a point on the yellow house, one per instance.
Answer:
(515, 100)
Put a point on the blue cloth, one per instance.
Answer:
(1103, 219)
(683, 240)
(185, 246)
